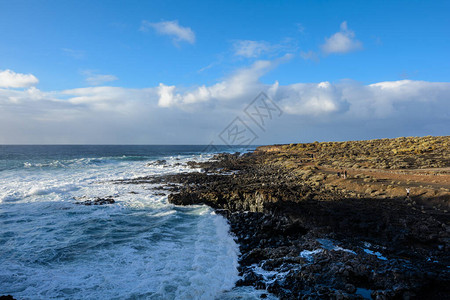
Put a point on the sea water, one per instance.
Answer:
(140, 247)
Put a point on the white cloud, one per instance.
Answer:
(98, 79)
(77, 54)
(309, 99)
(310, 55)
(208, 67)
(351, 99)
(241, 83)
(171, 28)
(112, 99)
(166, 96)
(255, 49)
(343, 41)
(249, 49)
(11, 79)
(323, 100)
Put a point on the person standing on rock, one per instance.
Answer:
(345, 174)
(407, 192)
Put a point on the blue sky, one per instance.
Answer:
(180, 72)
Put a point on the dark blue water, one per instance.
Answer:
(14, 156)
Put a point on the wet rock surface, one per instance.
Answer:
(159, 162)
(95, 201)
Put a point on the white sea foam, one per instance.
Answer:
(339, 248)
(141, 247)
(330, 245)
(376, 253)
(269, 276)
(245, 293)
(309, 255)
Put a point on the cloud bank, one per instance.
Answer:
(11, 79)
(238, 86)
(167, 114)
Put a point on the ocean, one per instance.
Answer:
(140, 247)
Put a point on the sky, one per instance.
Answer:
(222, 72)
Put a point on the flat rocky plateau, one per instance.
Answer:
(307, 231)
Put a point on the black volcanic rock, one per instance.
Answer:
(97, 201)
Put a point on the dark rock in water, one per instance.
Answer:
(223, 212)
(193, 164)
(159, 162)
(7, 297)
(97, 201)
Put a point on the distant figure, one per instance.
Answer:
(339, 174)
(345, 174)
(407, 192)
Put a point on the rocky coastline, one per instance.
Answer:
(307, 233)
(332, 220)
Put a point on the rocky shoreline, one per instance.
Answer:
(341, 220)
(302, 235)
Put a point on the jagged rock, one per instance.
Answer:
(159, 162)
(97, 201)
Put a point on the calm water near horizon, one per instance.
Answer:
(141, 247)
